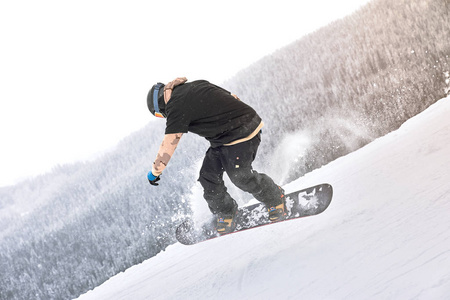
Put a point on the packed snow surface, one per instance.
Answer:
(386, 234)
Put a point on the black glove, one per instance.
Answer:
(152, 178)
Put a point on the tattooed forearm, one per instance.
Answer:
(166, 150)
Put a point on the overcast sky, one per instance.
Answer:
(74, 75)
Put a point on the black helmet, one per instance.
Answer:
(155, 100)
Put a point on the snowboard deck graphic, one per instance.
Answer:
(303, 203)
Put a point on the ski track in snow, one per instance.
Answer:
(385, 235)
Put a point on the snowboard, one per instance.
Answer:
(303, 203)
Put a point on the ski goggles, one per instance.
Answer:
(158, 113)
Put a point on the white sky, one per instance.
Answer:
(74, 75)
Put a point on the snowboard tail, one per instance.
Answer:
(306, 202)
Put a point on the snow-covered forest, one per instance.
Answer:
(324, 96)
(352, 81)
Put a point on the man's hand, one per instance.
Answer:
(235, 96)
(152, 178)
(168, 88)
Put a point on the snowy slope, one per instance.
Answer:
(385, 235)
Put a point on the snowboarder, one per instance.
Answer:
(233, 129)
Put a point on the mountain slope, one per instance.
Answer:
(65, 232)
(385, 235)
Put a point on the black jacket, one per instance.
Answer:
(211, 112)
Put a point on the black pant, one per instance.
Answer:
(237, 161)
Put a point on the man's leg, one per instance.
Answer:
(237, 161)
(211, 179)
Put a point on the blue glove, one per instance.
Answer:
(152, 178)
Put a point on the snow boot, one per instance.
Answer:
(278, 212)
(226, 222)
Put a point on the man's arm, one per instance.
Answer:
(166, 150)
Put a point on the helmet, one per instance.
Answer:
(155, 100)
